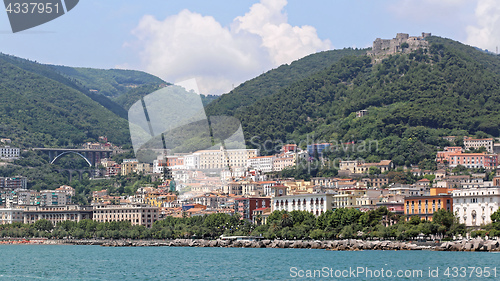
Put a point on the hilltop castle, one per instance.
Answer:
(403, 43)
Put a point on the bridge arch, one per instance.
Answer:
(67, 152)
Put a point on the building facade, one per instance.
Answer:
(137, 214)
(11, 215)
(473, 160)
(475, 206)
(315, 204)
(261, 163)
(13, 183)
(8, 152)
(246, 206)
(56, 214)
(425, 206)
(470, 143)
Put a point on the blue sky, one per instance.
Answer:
(222, 43)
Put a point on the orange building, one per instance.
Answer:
(443, 156)
(175, 161)
(426, 206)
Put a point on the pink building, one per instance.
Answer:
(443, 156)
(473, 160)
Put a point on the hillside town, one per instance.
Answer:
(240, 181)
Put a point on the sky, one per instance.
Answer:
(222, 43)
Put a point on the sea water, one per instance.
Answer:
(66, 262)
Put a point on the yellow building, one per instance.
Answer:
(137, 214)
(143, 168)
(159, 198)
(299, 186)
(220, 159)
(425, 206)
(129, 166)
(348, 198)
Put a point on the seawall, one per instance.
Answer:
(478, 244)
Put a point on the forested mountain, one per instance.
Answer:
(273, 80)
(412, 100)
(40, 108)
(51, 72)
(108, 82)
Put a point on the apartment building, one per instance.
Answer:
(8, 152)
(263, 164)
(316, 204)
(137, 214)
(129, 166)
(471, 143)
(425, 206)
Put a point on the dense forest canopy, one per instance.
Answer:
(412, 99)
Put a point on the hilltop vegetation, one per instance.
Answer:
(412, 99)
(41, 108)
(273, 80)
(108, 82)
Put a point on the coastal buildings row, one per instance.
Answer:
(137, 214)
(21, 196)
(232, 161)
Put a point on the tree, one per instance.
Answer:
(43, 225)
(415, 220)
(444, 217)
(495, 217)
(374, 170)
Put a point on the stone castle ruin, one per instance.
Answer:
(403, 43)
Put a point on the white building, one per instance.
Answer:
(261, 163)
(137, 214)
(313, 203)
(8, 152)
(11, 215)
(221, 159)
(192, 161)
(471, 143)
(158, 165)
(475, 206)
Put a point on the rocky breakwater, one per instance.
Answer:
(473, 245)
(336, 245)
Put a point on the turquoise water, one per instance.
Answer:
(61, 262)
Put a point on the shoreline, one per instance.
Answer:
(464, 245)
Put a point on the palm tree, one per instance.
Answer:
(286, 220)
(258, 219)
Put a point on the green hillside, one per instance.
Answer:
(41, 108)
(108, 82)
(48, 71)
(412, 100)
(272, 81)
(127, 99)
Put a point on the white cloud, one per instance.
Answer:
(189, 45)
(486, 32)
(284, 42)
